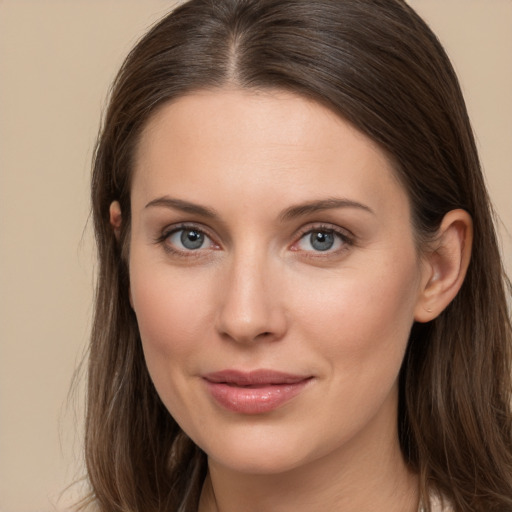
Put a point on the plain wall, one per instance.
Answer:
(57, 58)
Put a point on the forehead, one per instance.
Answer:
(250, 144)
(270, 117)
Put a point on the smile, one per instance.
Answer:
(254, 392)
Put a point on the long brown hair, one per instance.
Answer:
(376, 64)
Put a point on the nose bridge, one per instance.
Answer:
(250, 306)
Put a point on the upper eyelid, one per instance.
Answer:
(319, 226)
(218, 233)
(173, 228)
(325, 226)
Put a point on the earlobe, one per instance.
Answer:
(115, 218)
(445, 265)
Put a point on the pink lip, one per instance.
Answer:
(254, 392)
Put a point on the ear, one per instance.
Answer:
(116, 221)
(445, 265)
(115, 218)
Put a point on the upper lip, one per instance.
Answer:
(255, 377)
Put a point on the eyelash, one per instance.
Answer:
(346, 238)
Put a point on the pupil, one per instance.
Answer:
(322, 241)
(192, 239)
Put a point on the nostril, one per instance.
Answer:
(265, 335)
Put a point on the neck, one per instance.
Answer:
(368, 473)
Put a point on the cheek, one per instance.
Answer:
(172, 311)
(363, 319)
(361, 326)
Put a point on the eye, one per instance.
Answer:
(322, 240)
(185, 239)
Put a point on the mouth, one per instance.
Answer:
(255, 392)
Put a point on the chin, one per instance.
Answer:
(260, 451)
(258, 462)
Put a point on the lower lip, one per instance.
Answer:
(254, 400)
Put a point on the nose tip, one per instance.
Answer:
(250, 308)
(248, 329)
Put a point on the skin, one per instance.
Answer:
(257, 294)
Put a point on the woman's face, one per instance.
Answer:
(274, 276)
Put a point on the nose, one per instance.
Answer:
(250, 301)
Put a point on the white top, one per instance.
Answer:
(437, 505)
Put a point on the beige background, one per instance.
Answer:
(57, 59)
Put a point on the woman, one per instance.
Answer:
(300, 303)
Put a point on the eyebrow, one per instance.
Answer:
(184, 206)
(321, 205)
(290, 213)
